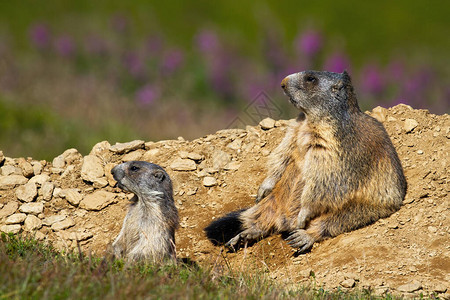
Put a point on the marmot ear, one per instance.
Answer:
(159, 175)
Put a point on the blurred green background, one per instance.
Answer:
(74, 73)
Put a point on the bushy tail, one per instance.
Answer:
(224, 229)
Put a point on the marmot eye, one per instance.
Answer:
(310, 78)
(134, 168)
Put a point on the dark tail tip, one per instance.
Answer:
(224, 229)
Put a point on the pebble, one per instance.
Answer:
(49, 221)
(410, 287)
(98, 200)
(27, 168)
(150, 155)
(27, 192)
(72, 196)
(15, 218)
(92, 168)
(71, 155)
(220, 159)
(195, 156)
(409, 125)
(32, 223)
(348, 283)
(15, 228)
(440, 288)
(46, 190)
(9, 208)
(209, 181)
(34, 208)
(37, 167)
(66, 223)
(40, 179)
(183, 164)
(10, 170)
(2, 157)
(432, 229)
(420, 152)
(120, 148)
(100, 148)
(134, 155)
(267, 123)
(11, 181)
(58, 162)
(232, 166)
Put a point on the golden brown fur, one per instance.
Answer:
(336, 169)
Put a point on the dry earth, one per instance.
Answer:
(74, 199)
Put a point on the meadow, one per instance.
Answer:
(73, 73)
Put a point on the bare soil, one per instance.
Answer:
(410, 247)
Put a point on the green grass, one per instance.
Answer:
(32, 270)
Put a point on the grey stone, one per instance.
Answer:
(181, 164)
(209, 181)
(15, 218)
(92, 168)
(127, 147)
(98, 200)
(61, 225)
(34, 208)
(32, 223)
(9, 209)
(15, 228)
(27, 192)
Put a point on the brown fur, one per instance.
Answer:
(148, 231)
(336, 169)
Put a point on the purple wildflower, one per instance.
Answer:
(337, 62)
(372, 80)
(207, 41)
(64, 46)
(147, 94)
(40, 35)
(310, 42)
(172, 61)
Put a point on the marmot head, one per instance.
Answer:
(321, 94)
(146, 180)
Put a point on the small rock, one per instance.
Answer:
(15, 228)
(195, 156)
(11, 181)
(379, 113)
(92, 168)
(439, 288)
(108, 175)
(432, 229)
(409, 125)
(66, 223)
(100, 148)
(100, 183)
(15, 219)
(232, 166)
(150, 155)
(71, 155)
(9, 208)
(27, 168)
(2, 157)
(348, 283)
(134, 155)
(235, 145)
(98, 200)
(59, 162)
(32, 223)
(72, 196)
(27, 192)
(410, 287)
(40, 179)
(220, 159)
(209, 181)
(420, 152)
(37, 167)
(34, 208)
(11, 170)
(46, 190)
(127, 147)
(183, 154)
(181, 164)
(49, 221)
(267, 123)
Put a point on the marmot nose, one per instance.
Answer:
(284, 83)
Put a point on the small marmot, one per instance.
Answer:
(148, 230)
(336, 170)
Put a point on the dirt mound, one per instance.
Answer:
(73, 199)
